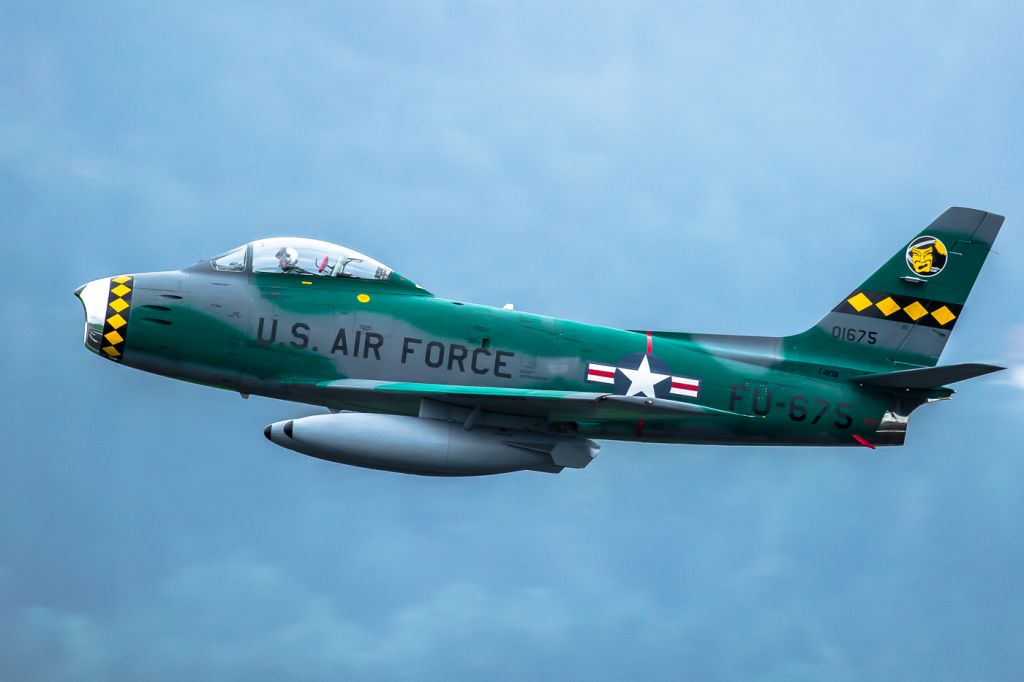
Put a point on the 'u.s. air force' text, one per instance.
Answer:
(369, 345)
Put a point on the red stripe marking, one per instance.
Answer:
(863, 442)
(601, 373)
(650, 343)
(639, 427)
(692, 387)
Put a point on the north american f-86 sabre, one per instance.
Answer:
(419, 384)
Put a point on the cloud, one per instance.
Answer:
(1014, 374)
(239, 618)
(728, 170)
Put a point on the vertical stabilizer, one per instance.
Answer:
(903, 314)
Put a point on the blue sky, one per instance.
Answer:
(732, 168)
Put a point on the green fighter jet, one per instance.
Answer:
(425, 385)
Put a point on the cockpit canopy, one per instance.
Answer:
(301, 256)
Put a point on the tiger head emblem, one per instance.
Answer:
(926, 256)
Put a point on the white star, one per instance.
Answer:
(642, 380)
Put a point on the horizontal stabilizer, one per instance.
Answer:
(927, 377)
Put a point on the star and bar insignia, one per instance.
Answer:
(638, 378)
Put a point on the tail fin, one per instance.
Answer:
(904, 313)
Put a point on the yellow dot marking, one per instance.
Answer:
(363, 298)
(305, 282)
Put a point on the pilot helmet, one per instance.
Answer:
(287, 258)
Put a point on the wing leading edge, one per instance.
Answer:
(553, 406)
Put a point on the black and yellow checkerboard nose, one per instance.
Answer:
(107, 305)
(115, 324)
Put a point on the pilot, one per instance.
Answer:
(288, 259)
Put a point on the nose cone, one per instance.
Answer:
(93, 296)
(107, 304)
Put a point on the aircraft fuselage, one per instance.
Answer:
(273, 335)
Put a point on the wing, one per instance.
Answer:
(553, 406)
